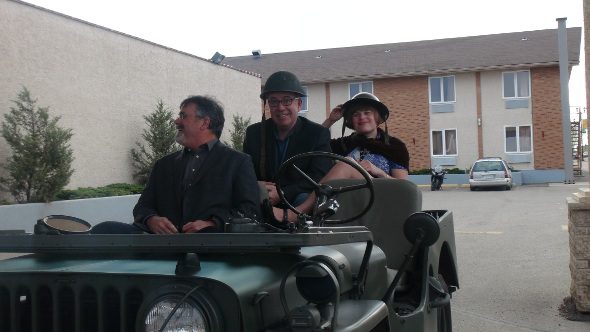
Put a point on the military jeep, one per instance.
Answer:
(375, 263)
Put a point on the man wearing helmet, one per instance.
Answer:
(272, 141)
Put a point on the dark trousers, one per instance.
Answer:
(116, 227)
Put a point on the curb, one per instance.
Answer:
(457, 185)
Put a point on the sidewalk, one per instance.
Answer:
(584, 177)
(580, 180)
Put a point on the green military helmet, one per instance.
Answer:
(282, 81)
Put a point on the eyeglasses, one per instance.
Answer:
(286, 101)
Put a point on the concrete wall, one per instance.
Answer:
(102, 83)
(94, 210)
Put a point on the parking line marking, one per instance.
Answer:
(486, 233)
(564, 227)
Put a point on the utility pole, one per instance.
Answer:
(568, 166)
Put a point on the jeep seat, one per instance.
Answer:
(395, 200)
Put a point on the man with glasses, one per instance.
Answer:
(272, 141)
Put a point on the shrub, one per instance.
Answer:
(115, 189)
(159, 138)
(41, 161)
(426, 171)
(238, 131)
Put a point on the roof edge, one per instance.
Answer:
(437, 72)
(131, 36)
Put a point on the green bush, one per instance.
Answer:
(115, 189)
(159, 139)
(426, 171)
(40, 162)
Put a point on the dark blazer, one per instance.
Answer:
(224, 186)
(307, 136)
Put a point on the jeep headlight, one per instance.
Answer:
(188, 317)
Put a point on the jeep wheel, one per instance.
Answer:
(444, 319)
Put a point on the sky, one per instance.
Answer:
(236, 27)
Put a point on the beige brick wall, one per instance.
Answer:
(407, 100)
(102, 83)
(547, 123)
(579, 239)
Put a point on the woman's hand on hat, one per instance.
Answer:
(335, 115)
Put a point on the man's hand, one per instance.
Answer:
(197, 226)
(273, 195)
(161, 225)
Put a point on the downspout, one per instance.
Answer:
(565, 108)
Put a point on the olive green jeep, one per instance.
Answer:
(366, 259)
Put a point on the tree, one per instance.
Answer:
(41, 161)
(238, 131)
(159, 140)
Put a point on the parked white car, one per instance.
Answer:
(490, 172)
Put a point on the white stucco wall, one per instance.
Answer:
(495, 117)
(316, 102)
(463, 119)
(338, 95)
(102, 83)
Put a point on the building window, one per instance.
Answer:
(442, 89)
(516, 84)
(518, 139)
(303, 111)
(444, 142)
(358, 87)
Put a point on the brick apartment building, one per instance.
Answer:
(452, 101)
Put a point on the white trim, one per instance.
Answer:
(304, 110)
(518, 139)
(360, 83)
(432, 155)
(516, 84)
(441, 89)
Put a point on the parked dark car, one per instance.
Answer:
(378, 264)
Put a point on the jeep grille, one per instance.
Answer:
(64, 303)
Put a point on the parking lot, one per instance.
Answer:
(513, 256)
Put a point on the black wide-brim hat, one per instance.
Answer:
(363, 99)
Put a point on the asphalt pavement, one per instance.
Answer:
(513, 256)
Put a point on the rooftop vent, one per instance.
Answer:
(217, 58)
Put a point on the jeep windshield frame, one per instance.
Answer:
(182, 243)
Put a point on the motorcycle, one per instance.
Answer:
(436, 178)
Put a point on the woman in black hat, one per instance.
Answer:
(377, 152)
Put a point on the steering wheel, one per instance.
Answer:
(325, 192)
